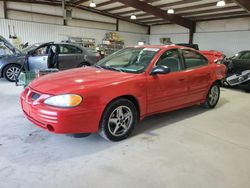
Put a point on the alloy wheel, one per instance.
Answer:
(12, 73)
(213, 95)
(120, 121)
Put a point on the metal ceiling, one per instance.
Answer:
(154, 12)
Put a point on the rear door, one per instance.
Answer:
(69, 56)
(197, 68)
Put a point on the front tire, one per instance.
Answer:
(10, 72)
(118, 120)
(212, 96)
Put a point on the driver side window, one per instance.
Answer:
(171, 59)
(41, 51)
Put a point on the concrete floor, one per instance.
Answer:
(189, 148)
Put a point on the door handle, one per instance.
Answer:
(181, 79)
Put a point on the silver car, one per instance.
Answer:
(42, 56)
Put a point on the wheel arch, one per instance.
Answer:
(218, 81)
(131, 98)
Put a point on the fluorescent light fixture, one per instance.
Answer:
(141, 43)
(221, 3)
(133, 17)
(92, 4)
(171, 11)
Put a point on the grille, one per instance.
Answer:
(35, 96)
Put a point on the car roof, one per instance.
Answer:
(164, 46)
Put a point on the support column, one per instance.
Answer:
(64, 13)
(5, 10)
(191, 33)
(117, 24)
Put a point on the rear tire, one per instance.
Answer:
(213, 96)
(11, 71)
(118, 120)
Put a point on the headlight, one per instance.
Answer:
(64, 101)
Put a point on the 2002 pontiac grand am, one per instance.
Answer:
(122, 89)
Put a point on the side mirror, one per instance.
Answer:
(160, 70)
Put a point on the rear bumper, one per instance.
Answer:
(60, 120)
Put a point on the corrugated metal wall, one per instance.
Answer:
(40, 32)
(229, 35)
(42, 23)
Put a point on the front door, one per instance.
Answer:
(38, 60)
(166, 91)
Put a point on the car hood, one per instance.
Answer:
(76, 80)
(9, 45)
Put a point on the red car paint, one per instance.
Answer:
(99, 87)
(212, 55)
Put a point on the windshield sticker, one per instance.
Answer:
(151, 49)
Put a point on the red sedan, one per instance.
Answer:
(111, 97)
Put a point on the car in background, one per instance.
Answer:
(42, 56)
(194, 46)
(121, 89)
(238, 73)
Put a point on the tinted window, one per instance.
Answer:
(194, 59)
(68, 49)
(245, 55)
(171, 59)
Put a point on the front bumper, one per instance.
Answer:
(57, 120)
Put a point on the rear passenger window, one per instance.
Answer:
(68, 49)
(194, 59)
(171, 59)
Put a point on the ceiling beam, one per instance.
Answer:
(159, 13)
(80, 2)
(198, 12)
(113, 1)
(228, 14)
(164, 5)
(101, 12)
(116, 8)
(105, 3)
(244, 4)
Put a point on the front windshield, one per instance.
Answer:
(237, 56)
(30, 48)
(133, 60)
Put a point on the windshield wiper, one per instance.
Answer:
(108, 68)
(98, 66)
